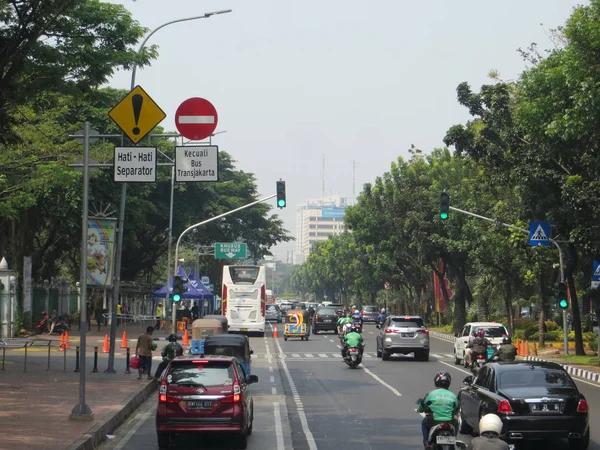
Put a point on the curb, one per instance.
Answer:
(97, 434)
(587, 375)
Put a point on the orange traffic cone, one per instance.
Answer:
(61, 346)
(124, 340)
(186, 338)
(275, 333)
(105, 347)
(66, 346)
(527, 348)
(535, 349)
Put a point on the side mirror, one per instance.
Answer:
(253, 379)
(377, 325)
(251, 351)
(456, 334)
(468, 380)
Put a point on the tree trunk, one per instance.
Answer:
(571, 266)
(542, 318)
(483, 310)
(460, 310)
(508, 304)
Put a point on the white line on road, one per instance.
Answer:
(141, 419)
(272, 379)
(309, 355)
(274, 390)
(454, 367)
(278, 426)
(323, 355)
(271, 369)
(312, 445)
(383, 383)
(339, 346)
(370, 332)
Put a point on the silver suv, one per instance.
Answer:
(403, 334)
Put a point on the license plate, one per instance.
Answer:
(327, 320)
(446, 440)
(199, 404)
(545, 407)
(407, 334)
(354, 352)
(243, 329)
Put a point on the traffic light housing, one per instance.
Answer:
(444, 206)
(178, 288)
(562, 295)
(281, 202)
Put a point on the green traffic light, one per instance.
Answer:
(443, 215)
(563, 304)
(281, 203)
(176, 298)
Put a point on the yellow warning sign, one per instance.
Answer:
(137, 114)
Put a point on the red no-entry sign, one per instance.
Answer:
(196, 118)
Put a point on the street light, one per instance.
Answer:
(119, 249)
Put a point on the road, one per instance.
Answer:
(308, 399)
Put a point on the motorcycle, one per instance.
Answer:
(43, 323)
(442, 436)
(58, 325)
(482, 360)
(353, 357)
(357, 323)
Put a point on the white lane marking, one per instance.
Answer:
(312, 445)
(323, 355)
(309, 355)
(197, 119)
(454, 367)
(380, 381)
(295, 355)
(370, 332)
(278, 426)
(270, 369)
(339, 346)
(274, 390)
(141, 419)
(331, 340)
(272, 379)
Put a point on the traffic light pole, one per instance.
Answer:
(560, 260)
(264, 199)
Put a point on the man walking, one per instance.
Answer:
(143, 350)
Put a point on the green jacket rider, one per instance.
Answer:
(353, 339)
(507, 351)
(441, 403)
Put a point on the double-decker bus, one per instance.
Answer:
(244, 298)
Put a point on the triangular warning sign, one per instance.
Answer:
(539, 235)
(597, 272)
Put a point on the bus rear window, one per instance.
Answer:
(243, 274)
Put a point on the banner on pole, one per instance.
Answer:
(27, 284)
(100, 251)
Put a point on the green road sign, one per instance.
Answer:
(230, 250)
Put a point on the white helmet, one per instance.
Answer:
(382, 310)
(490, 423)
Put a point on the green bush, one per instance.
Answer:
(593, 344)
(554, 335)
(523, 323)
(551, 325)
(587, 336)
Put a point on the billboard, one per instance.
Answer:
(100, 244)
(335, 213)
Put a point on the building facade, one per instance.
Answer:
(316, 220)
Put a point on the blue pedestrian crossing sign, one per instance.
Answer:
(539, 234)
(596, 273)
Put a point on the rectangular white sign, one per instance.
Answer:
(27, 292)
(135, 164)
(197, 163)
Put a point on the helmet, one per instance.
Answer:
(382, 310)
(172, 338)
(442, 380)
(480, 333)
(490, 423)
(44, 313)
(506, 340)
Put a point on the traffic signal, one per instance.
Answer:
(281, 194)
(444, 205)
(562, 295)
(178, 288)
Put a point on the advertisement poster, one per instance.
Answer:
(27, 284)
(100, 254)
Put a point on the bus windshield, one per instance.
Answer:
(243, 274)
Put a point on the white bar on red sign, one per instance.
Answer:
(196, 119)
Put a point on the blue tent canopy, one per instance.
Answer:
(196, 281)
(192, 292)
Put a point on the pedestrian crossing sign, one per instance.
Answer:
(539, 234)
(596, 271)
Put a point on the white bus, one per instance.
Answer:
(244, 298)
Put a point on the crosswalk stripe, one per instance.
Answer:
(295, 355)
(309, 355)
(323, 355)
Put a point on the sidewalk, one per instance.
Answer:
(36, 404)
(584, 371)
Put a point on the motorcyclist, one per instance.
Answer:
(343, 321)
(507, 351)
(169, 352)
(440, 405)
(478, 347)
(352, 339)
(357, 318)
(382, 315)
(490, 427)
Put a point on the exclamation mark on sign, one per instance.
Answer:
(137, 101)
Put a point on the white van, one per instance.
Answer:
(494, 332)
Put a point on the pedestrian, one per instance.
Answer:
(98, 315)
(143, 350)
(159, 315)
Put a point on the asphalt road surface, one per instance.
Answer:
(308, 399)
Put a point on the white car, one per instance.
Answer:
(494, 332)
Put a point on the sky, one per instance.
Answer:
(345, 81)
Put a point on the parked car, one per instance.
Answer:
(325, 319)
(494, 332)
(534, 399)
(205, 395)
(370, 313)
(403, 334)
(273, 313)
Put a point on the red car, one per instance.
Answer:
(205, 395)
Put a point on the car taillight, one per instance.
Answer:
(316, 316)
(224, 301)
(237, 392)
(504, 407)
(390, 330)
(582, 406)
(426, 331)
(479, 356)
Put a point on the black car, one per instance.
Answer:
(370, 313)
(535, 400)
(325, 319)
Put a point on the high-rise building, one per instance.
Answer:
(316, 220)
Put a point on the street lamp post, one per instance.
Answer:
(121, 228)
